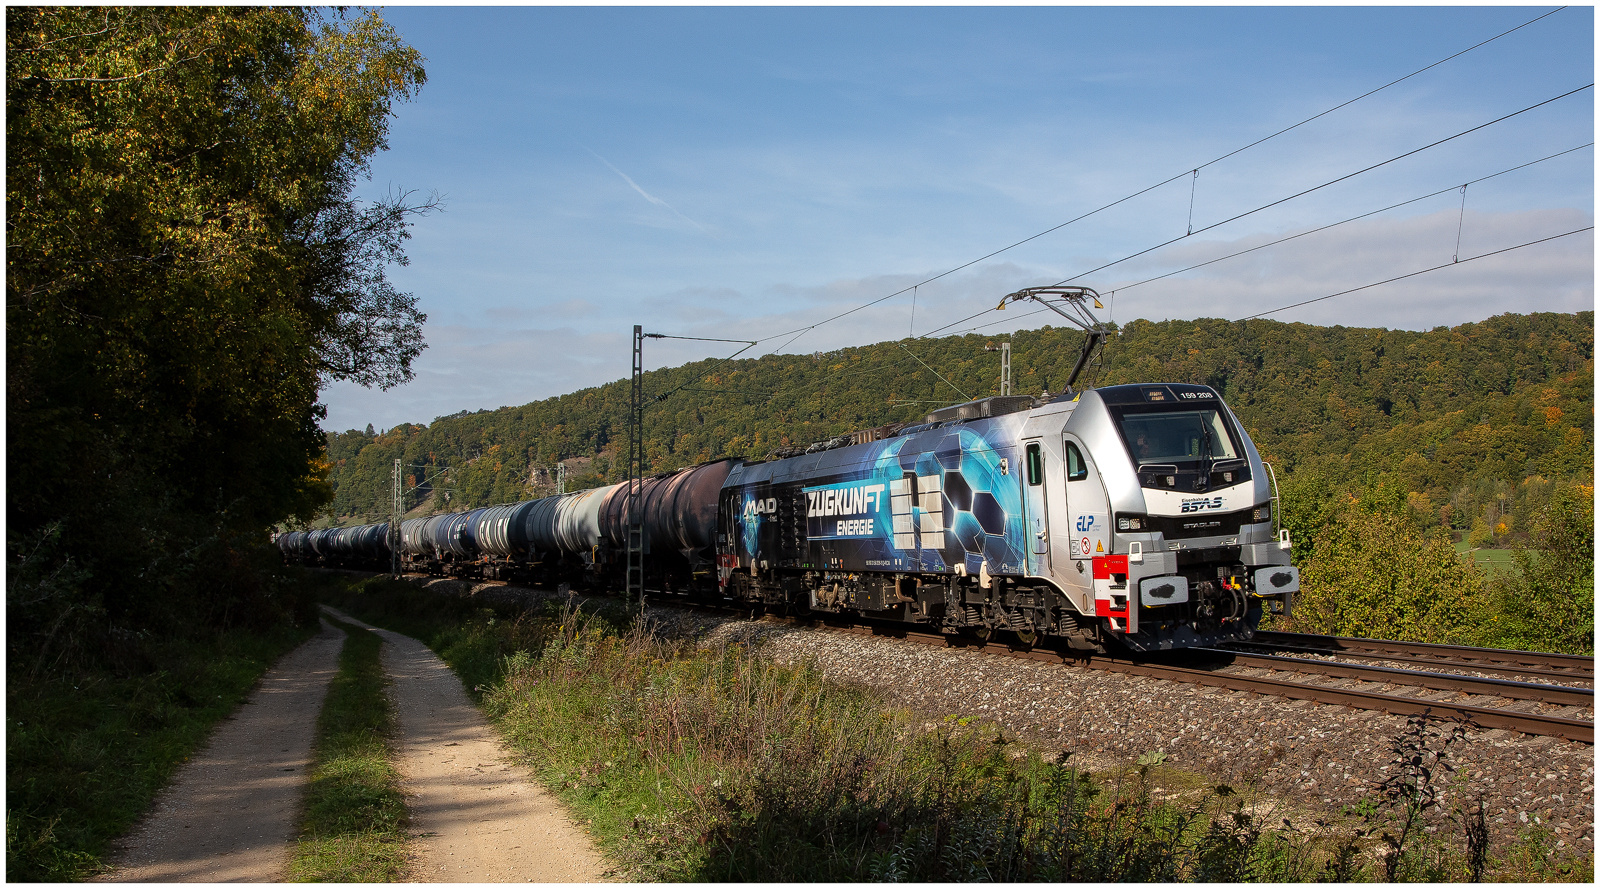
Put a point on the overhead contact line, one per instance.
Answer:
(1191, 171)
(1126, 287)
(1314, 188)
(1451, 264)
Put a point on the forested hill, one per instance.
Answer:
(1474, 421)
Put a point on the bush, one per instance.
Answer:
(1550, 606)
(720, 765)
(695, 763)
(1373, 572)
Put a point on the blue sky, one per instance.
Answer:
(740, 173)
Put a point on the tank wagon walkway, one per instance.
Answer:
(229, 815)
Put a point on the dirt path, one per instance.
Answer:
(229, 815)
(477, 815)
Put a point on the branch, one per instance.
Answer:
(135, 76)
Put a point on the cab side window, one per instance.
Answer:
(1077, 470)
(1035, 466)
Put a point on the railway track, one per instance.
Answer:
(1531, 708)
(1492, 661)
(1295, 670)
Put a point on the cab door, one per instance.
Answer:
(1036, 517)
(1089, 512)
(1087, 504)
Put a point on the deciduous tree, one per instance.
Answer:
(187, 264)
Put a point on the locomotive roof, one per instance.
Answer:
(1147, 393)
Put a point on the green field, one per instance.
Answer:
(1493, 561)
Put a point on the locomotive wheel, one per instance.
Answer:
(1027, 637)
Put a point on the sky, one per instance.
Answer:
(739, 173)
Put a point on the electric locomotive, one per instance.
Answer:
(1136, 516)
(1139, 516)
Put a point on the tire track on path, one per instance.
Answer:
(230, 813)
(478, 817)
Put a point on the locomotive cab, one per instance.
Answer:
(1172, 509)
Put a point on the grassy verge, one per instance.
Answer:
(86, 754)
(702, 765)
(353, 828)
(473, 638)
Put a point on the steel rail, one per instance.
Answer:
(1429, 662)
(1563, 695)
(1486, 717)
(1500, 657)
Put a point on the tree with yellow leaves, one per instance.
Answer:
(186, 265)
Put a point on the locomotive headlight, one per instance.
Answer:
(1131, 522)
(1262, 513)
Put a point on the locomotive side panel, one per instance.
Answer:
(945, 500)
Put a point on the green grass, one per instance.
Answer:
(705, 765)
(353, 826)
(1498, 562)
(86, 754)
(473, 638)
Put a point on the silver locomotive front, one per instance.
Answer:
(1169, 510)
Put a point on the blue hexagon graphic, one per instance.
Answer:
(969, 533)
(988, 513)
(957, 491)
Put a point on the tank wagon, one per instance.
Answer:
(358, 546)
(1136, 516)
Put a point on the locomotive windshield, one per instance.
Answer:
(1176, 436)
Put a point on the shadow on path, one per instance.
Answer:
(230, 813)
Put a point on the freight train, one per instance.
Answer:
(1136, 516)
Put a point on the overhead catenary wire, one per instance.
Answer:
(1315, 188)
(1306, 192)
(936, 373)
(1454, 262)
(1324, 228)
(795, 333)
(749, 344)
(1274, 243)
(1194, 184)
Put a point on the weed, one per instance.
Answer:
(1420, 762)
(353, 824)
